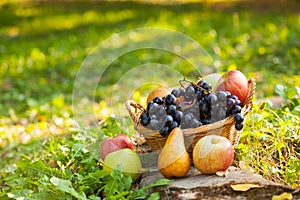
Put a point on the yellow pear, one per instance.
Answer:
(159, 92)
(174, 160)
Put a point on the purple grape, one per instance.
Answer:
(236, 109)
(177, 116)
(239, 126)
(238, 118)
(170, 99)
(164, 131)
(168, 120)
(176, 92)
(230, 103)
(158, 100)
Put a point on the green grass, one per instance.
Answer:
(43, 44)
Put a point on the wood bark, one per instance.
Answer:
(200, 186)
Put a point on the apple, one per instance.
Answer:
(111, 144)
(212, 153)
(212, 79)
(127, 159)
(236, 83)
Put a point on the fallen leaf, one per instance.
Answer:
(283, 196)
(244, 187)
(222, 173)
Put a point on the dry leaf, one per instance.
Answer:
(244, 187)
(222, 173)
(283, 196)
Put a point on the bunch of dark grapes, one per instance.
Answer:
(191, 107)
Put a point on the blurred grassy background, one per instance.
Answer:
(44, 43)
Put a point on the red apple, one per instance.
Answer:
(212, 153)
(236, 83)
(115, 143)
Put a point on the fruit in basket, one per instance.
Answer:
(212, 79)
(126, 159)
(173, 160)
(159, 92)
(190, 107)
(213, 153)
(236, 83)
(117, 142)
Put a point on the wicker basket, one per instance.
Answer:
(223, 127)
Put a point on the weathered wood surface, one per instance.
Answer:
(200, 186)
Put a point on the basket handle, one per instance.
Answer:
(252, 86)
(133, 107)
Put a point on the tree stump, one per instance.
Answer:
(236, 185)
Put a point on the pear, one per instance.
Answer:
(174, 160)
(159, 92)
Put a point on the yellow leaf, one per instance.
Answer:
(244, 187)
(283, 196)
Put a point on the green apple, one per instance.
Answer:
(212, 79)
(127, 159)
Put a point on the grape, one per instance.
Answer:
(150, 104)
(144, 116)
(181, 92)
(200, 83)
(228, 94)
(158, 100)
(237, 102)
(234, 97)
(170, 99)
(236, 109)
(238, 118)
(239, 126)
(208, 97)
(164, 131)
(154, 124)
(173, 125)
(186, 118)
(218, 114)
(177, 116)
(213, 98)
(194, 123)
(190, 91)
(145, 120)
(153, 117)
(222, 96)
(189, 97)
(161, 111)
(194, 110)
(153, 109)
(199, 94)
(176, 92)
(206, 86)
(222, 113)
(203, 107)
(230, 103)
(171, 109)
(205, 121)
(168, 120)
